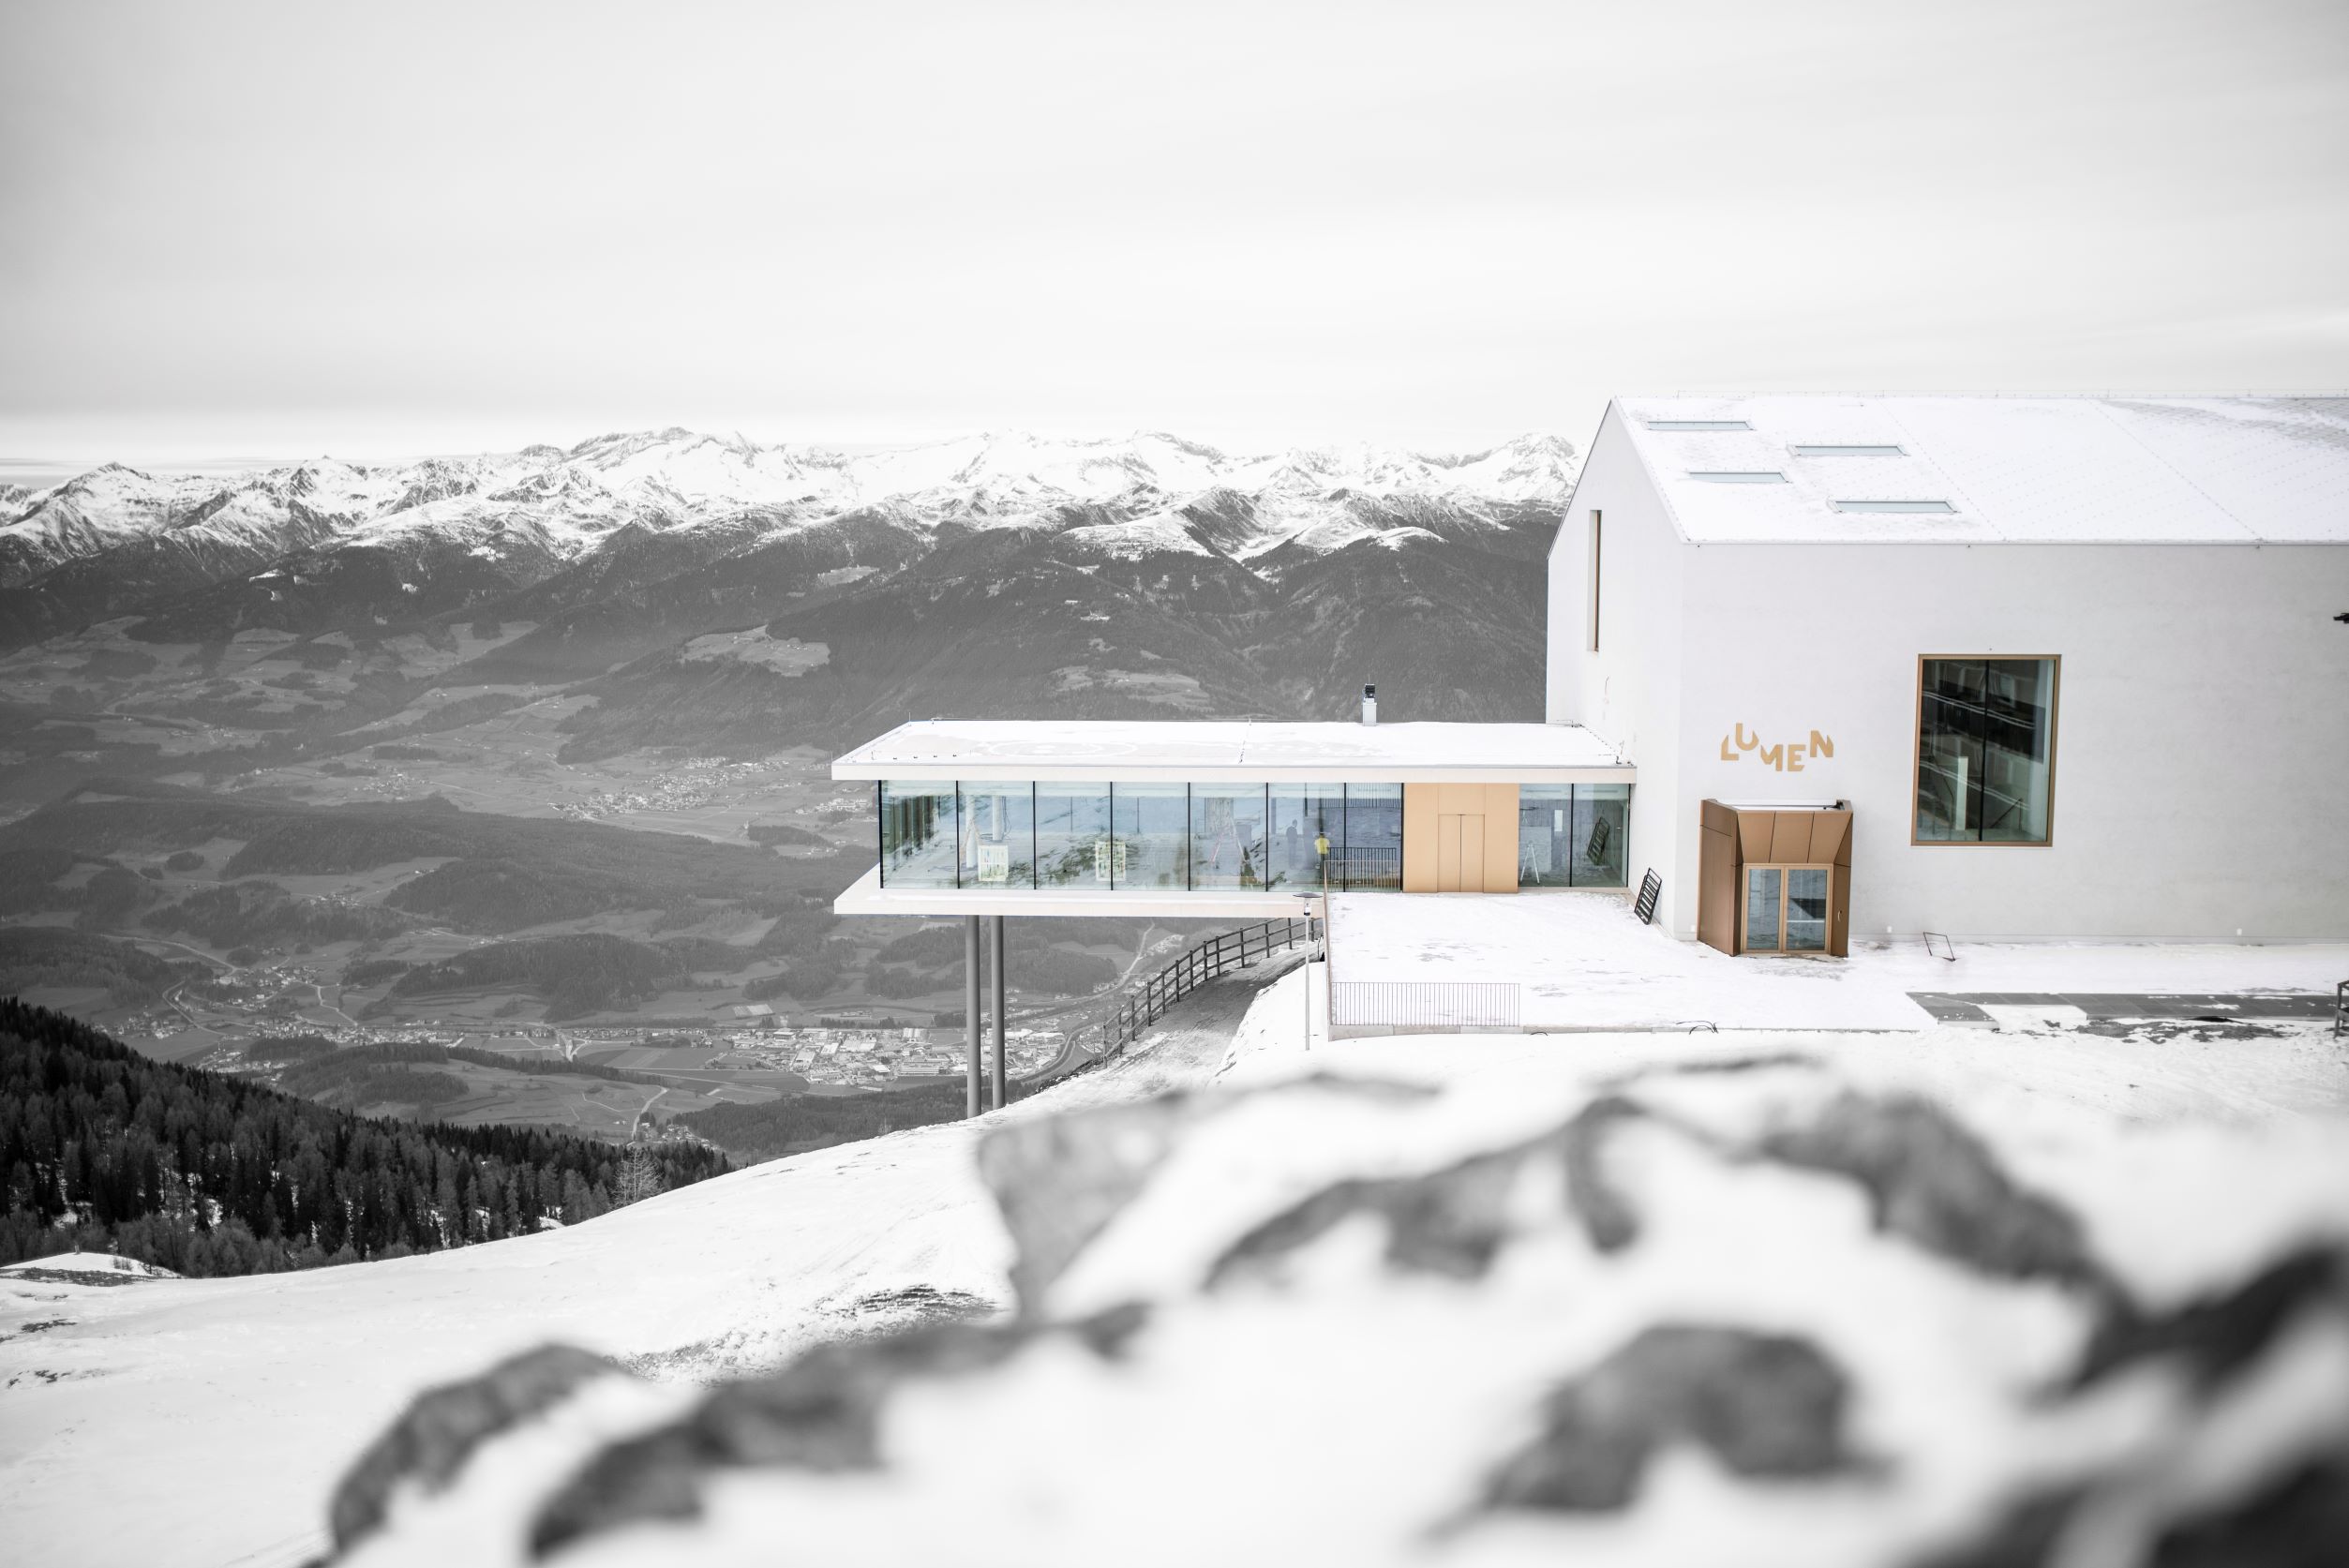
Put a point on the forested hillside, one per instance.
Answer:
(796, 1123)
(576, 973)
(208, 1174)
(32, 956)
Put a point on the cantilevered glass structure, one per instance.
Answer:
(1217, 818)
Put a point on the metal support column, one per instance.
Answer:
(995, 962)
(970, 1014)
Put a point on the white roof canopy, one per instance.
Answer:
(2085, 471)
(1239, 750)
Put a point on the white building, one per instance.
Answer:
(2074, 666)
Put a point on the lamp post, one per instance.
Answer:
(1321, 850)
(1307, 900)
(1329, 942)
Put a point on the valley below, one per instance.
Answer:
(522, 759)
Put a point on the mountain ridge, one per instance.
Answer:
(299, 613)
(676, 478)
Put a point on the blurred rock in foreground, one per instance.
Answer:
(1740, 1312)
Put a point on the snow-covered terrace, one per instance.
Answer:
(1109, 751)
(1584, 961)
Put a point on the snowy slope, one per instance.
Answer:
(235, 1404)
(1492, 1302)
(290, 1373)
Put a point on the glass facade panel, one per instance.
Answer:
(1215, 837)
(998, 835)
(1374, 835)
(1806, 909)
(1986, 751)
(1602, 834)
(1072, 842)
(1572, 836)
(1762, 886)
(917, 835)
(1227, 836)
(1150, 834)
(1544, 835)
(1303, 814)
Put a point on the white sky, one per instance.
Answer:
(243, 229)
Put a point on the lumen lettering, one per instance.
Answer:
(1786, 757)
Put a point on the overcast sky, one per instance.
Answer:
(234, 228)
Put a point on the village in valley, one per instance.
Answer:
(751, 1055)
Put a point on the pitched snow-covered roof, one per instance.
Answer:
(2011, 470)
(1243, 750)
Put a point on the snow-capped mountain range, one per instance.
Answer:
(558, 505)
(1006, 574)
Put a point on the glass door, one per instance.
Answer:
(1786, 909)
(1765, 893)
(1806, 909)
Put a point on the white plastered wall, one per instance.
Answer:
(2201, 750)
(1630, 689)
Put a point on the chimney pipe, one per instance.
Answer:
(1370, 705)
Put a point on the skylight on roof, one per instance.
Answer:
(1891, 506)
(1831, 450)
(1757, 477)
(1698, 424)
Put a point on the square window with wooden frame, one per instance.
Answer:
(1985, 750)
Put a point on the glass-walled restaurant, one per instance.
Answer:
(1213, 837)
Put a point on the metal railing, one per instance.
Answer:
(1424, 1004)
(1146, 1003)
(1373, 870)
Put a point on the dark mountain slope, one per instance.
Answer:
(209, 1174)
(631, 868)
(1034, 625)
(640, 592)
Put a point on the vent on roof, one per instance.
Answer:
(1891, 506)
(1698, 424)
(1758, 477)
(1846, 452)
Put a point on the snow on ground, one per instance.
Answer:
(2186, 968)
(97, 1267)
(1362, 1312)
(2156, 1074)
(1587, 962)
(235, 1404)
(283, 1379)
